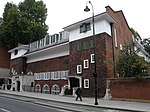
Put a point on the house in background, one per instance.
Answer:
(20, 80)
(140, 49)
(62, 62)
(4, 63)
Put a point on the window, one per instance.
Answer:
(38, 88)
(46, 76)
(52, 75)
(92, 44)
(85, 45)
(86, 63)
(37, 76)
(55, 89)
(92, 58)
(47, 39)
(79, 46)
(42, 43)
(45, 89)
(115, 31)
(86, 83)
(79, 69)
(53, 39)
(85, 27)
(16, 52)
(121, 47)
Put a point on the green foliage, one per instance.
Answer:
(24, 23)
(135, 33)
(146, 44)
(130, 64)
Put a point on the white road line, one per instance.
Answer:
(4, 110)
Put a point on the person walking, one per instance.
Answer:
(78, 93)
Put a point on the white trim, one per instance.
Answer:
(86, 63)
(115, 34)
(79, 69)
(121, 47)
(86, 83)
(92, 58)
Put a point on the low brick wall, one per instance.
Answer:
(130, 88)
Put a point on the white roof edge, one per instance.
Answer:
(19, 47)
(104, 15)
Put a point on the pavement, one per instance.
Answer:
(111, 104)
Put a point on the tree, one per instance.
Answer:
(24, 23)
(130, 64)
(146, 44)
(135, 33)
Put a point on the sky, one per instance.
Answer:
(62, 13)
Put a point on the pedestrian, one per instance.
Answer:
(78, 93)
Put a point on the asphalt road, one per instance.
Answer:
(12, 105)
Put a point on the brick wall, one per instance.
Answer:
(123, 33)
(19, 65)
(103, 69)
(51, 83)
(4, 56)
(55, 64)
(132, 88)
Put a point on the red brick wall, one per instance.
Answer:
(123, 33)
(132, 88)
(55, 64)
(19, 65)
(104, 69)
(4, 56)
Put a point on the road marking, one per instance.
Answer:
(4, 110)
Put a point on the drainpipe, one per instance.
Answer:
(114, 71)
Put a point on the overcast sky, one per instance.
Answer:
(62, 13)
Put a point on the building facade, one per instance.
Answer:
(4, 62)
(62, 62)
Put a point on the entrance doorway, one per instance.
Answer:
(18, 85)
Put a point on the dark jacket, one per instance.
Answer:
(78, 91)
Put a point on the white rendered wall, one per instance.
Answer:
(21, 52)
(100, 27)
(53, 52)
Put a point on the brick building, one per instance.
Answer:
(64, 61)
(4, 62)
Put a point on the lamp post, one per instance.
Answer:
(95, 72)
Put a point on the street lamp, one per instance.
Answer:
(95, 73)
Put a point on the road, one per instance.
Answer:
(16, 103)
(12, 105)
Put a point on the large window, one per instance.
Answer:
(54, 75)
(55, 89)
(85, 27)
